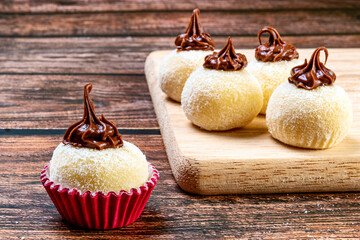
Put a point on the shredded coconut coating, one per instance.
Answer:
(111, 169)
(317, 119)
(221, 100)
(176, 68)
(270, 75)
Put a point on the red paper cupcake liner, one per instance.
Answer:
(99, 211)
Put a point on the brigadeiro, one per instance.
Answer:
(309, 110)
(222, 94)
(274, 60)
(95, 178)
(191, 48)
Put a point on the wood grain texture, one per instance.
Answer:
(142, 23)
(248, 160)
(56, 101)
(116, 55)
(124, 33)
(28, 6)
(27, 211)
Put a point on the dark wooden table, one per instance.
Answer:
(50, 49)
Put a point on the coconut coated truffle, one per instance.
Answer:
(310, 111)
(176, 68)
(111, 169)
(93, 157)
(191, 48)
(270, 75)
(274, 60)
(222, 95)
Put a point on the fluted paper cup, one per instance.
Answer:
(97, 210)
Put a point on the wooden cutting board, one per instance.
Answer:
(249, 160)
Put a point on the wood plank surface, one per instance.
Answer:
(249, 160)
(28, 6)
(116, 55)
(56, 101)
(164, 23)
(49, 49)
(27, 212)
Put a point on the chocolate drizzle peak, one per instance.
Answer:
(193, 38)
(226, 59)
(313, 74)
(275, 49)
(92, 132)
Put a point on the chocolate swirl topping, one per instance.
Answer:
(313, 74)
(275, 49)
(194, 38)
(92, 132)
(226, 59)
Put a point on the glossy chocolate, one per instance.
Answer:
(313, 74)
(194, 38)
(275, 49)
(226, 59)
(92, 132)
